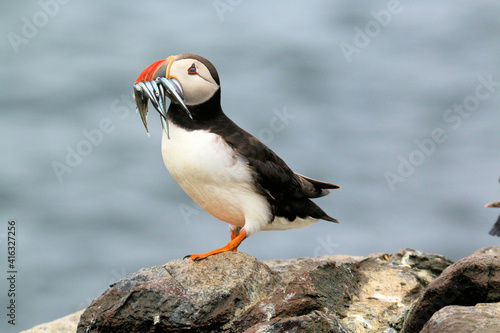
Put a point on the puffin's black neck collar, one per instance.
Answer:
(204, 115)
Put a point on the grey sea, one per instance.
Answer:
(398, 102)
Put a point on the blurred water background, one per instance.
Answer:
(362, 89)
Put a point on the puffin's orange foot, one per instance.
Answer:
(195, 257)
(233, 236)
(231, 246)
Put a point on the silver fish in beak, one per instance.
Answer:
(152, 86)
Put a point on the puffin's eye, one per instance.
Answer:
(192, 69)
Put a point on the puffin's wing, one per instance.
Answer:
(272, 175)
(288, 193)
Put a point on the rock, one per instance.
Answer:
(387, 287)
(181, 294)
(230, 292)
(312, 293)
(483, 318)
(234, 292)
(62, 325)
(471, 280)
(314, 322)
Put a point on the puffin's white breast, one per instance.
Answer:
(216, 178)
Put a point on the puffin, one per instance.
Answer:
(227, 171)
(495, 230)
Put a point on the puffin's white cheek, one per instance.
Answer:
(198, 91)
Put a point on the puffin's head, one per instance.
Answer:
(186, 79)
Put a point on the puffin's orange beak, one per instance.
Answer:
(154, 84)
(156, 69)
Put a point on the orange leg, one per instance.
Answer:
(233, 236)
(232, 245)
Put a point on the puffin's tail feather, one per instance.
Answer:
(329, 218)
(314, 188)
